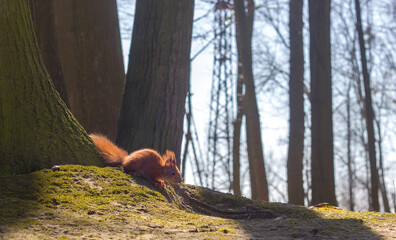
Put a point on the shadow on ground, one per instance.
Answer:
(284, 221)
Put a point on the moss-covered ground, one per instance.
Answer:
(79, 202)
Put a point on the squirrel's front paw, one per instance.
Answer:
(159, 183)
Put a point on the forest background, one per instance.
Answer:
(332, 141)
(271, 70)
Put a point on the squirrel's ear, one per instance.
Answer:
(170, 158)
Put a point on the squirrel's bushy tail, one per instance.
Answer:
(113, 155)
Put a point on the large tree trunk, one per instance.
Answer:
(369, 113)
(322, 165)
(91, 58)
(36, 128)
(153, 104)
(296, 102)
(44, 23)
(253, 130)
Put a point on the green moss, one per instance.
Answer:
(375, 218)
(72, 187)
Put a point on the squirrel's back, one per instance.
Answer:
(112, 155)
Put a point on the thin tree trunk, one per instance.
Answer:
(349, 151)
(37, 130)
(381, 169)
(296, 101)
(361, 104)
(369, 113)
(237, 136)
(153, 104)
(44, 23)
(367, 163)
(189, 140)
(92, 63)
(253, 130)
(322, 165)
(188, 135)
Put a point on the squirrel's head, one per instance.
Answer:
(171, 172)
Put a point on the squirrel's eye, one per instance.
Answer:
(173, 174)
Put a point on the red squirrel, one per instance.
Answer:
(145, 162)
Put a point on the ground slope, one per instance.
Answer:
(79, 202)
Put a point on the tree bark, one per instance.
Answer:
(153, 104)
(296, 102)
(44, 23)
(253, 129)
(322, 165)
(36, 128)
(91, 58)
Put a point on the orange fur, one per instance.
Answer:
(112, 155)
(145, 162)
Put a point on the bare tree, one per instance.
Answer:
(369, 113)
(255, 149)
(236, 185)
(240, 93)
(322, 165)
(296, 102)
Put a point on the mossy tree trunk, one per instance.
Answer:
(153, 104)
(296, 105)
(244, 24)
(322, 164)
(91, 57)
(36, 128)
(44, 23)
